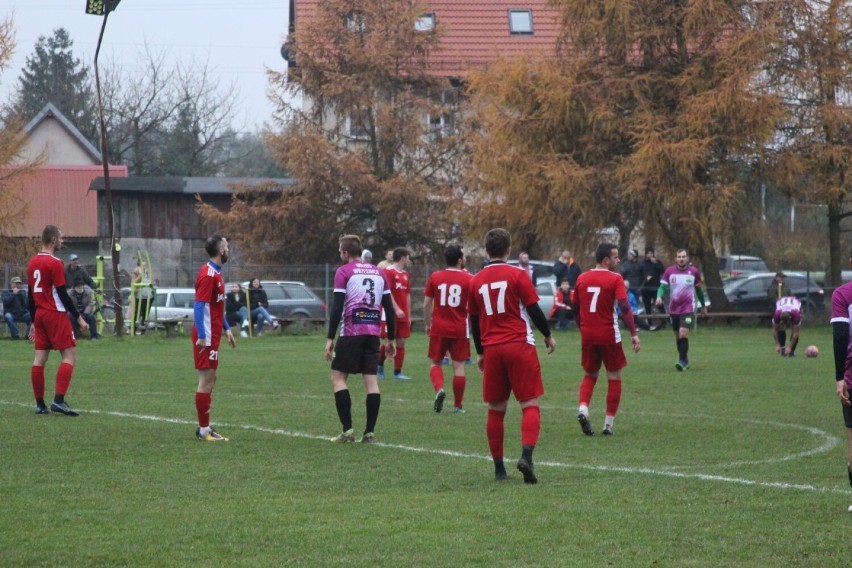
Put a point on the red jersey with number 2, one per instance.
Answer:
(45, 274)
(598, 292)
(499, 294)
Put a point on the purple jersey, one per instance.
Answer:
(841, 311)
(364, 285)
(682, 285)
(788, 304)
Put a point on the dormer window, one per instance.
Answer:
(425, 23)
(520, 22)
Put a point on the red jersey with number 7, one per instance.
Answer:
(499, 294)
(45, 274)
(448, 289)
(597, 292)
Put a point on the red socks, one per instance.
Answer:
(587, 387)
(458, 390)
(530, 426)
(437, 377)
(202, 406)
(494, 432)
(63, 378)
(613, 397)
(37, 378)
(399, 359)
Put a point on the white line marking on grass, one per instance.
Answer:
(455, 454)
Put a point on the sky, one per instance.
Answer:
(239, 38)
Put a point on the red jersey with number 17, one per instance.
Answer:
(598, 291)
(499, 294)
(45, 274)
(448, 289)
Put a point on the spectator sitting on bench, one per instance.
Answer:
(258, 303)
(236, 311)
(82, 298)
(15, 308)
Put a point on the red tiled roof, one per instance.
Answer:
(59, 195)
(475, 33)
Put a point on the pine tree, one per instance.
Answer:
(53, 75)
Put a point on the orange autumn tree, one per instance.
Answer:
(13, 207)
(359, 143)
(648, 104)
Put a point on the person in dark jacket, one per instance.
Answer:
(566, 269)
(15, 308)
(631, 271)
(652, 270)
(76, 272)
(258, 304)
(236, 311)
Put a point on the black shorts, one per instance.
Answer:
(356, 354)
(847, 415)
(682, 320)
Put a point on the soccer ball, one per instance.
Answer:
(811, 351)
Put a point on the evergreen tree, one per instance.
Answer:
(53, 75)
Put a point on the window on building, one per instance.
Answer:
(442, 117)
(359, 123)
(425, 23)
(520, 22)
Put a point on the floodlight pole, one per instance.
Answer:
(116, 282)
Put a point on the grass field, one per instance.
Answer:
(737, 462)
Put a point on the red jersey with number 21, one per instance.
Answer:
(498, 295)
(598, 292)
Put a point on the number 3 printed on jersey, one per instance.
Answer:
(485, 291)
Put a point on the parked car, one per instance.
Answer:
(293, 301)
(740, 264)
(543, 270)
(749, 293)
(173, 304)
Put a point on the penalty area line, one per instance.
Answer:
(464, 455)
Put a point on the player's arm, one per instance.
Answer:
(699, 293)
(661, 292)
(840, 333)
(390, 320)
(428, 304)
(540, 320)
(775, 336)
(336, 314)
(198, 316)
(62, 292)
(474, 332)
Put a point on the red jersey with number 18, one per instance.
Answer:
(45, 274)
(499, 294)
(598, 291)
(448, 289)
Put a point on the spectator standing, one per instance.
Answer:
(360, 291)
(841, 312)
(566, 268)
(502, 304)
(445, 320)
(82, 298)
(632, 272)
(599, 293)
(652, 271)
(778, 288)
(367, 256)
(74, 271)
(388, 259)
(209, 323)
(524, 262)
(236, 311)
(15, 308)
(49, 304)
(399, 281)
(683, 282)
(258, 304)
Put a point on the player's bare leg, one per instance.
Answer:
(203, 402)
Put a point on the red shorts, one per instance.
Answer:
(206, 357)
(511, 368)
(53, 331)
(459, 348)
(612, 357)
(402, 329)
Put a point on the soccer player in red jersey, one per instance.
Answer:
(207, 332)
(49, 305)
(400, 287)
(595, 297)
(445, 318)
(502, 304)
